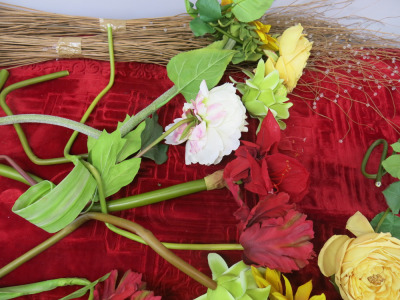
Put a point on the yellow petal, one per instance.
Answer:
(304, 291)
(358, 224)
(274, 277)
(318, 297)
(225, 2)
(288, 288)
(260, 280)
(288, 40)
(277, 296)
(269, 66)
(281, 67)
(327, 258)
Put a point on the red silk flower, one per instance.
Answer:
(263, 170)
(276, 236)
(130, 287)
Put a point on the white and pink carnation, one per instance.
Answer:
(221, 119)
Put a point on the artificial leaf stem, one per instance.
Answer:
(52, 120)
(17, 168)
(11, 173)
(100, 95)
(18, 128)
(378, 226)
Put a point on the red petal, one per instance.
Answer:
(269, 133)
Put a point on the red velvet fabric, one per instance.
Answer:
(337, 188)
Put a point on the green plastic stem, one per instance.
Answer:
(100, 95)
(381, 172)
(11, 173)
(52, 120)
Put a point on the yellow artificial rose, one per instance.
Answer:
(365, 267)
(294, 50)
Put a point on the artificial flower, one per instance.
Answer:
(276, 236)
(262, 31)
(130, 287)
(234, 282)
(220, 118)
(226, 2)
(365, 267)
(294, 50)
(263, 170)
(273, 278)
(265, 93)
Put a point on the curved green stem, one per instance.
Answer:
(381, 172)
(11, 173)
(156, 104)
(100, 95)
(52, 120)
(17, 168)
(378, 226)
(18, 128)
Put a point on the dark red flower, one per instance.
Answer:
(276, 236)
(263, 170)
(130, 287)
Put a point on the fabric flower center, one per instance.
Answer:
(376, 279)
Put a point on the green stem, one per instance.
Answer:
(229, 35)
(378, 226)
(100, 95)
(3, 77)
(17, 168)
(163, 136)
(381, 172)
(11, 173)
(53, 120)
(156, 196)
(156, 104)
(18, 128)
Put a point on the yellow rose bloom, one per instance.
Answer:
(262, 32)
(294, 50)
(365, 267)
(273, 278)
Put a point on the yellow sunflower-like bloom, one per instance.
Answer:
(273, 278)
(294, 50)
(262, 30)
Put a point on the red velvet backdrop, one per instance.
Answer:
(337, 187)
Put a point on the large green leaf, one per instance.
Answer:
(104, 154)
(250, 10)
(392, 196)
(188, 69)
(392, 165)
(133, 141)
(200, 28)
(390, 224)
(209, 10)
(396, 147)
(152, 131)
(53, 207)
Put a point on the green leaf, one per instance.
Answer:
(220, 293)
(133, 142)
(390, 224)
(259, 293)
(392, 165)
(188, 69)
(104, 155)
(152, 131)
(53, 207)
(396, 147)
(250, 10)
(392, 196)
(199, 27)
(39, 287)
(190, 10)
(209, 10)
(217, 265)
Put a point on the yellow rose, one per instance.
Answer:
(365, 267)
(294, 50)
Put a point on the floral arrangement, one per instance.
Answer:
(274, 236)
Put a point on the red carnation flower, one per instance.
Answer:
(276, 236)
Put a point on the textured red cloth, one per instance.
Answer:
(337, 188)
